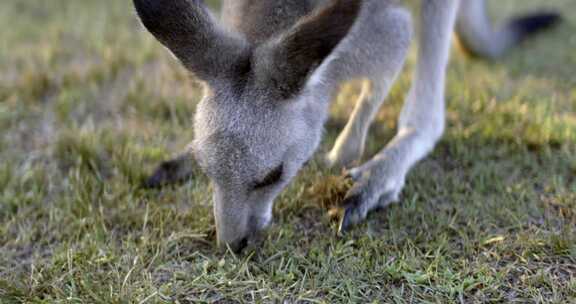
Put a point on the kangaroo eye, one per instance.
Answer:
(270, 179)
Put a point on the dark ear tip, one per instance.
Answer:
(146, 7)
(149, 11)
(156, 10)
(156, 7)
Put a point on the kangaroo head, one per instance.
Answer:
(259, 120)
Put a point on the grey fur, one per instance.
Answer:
(271, 72)
(481, 39)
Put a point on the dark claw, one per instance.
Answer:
(345, 222)
(239, 246)
(170, 172)
(352, 214)
(355, 210)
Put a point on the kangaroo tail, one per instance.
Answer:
(480, 39)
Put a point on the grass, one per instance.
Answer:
(89, 104)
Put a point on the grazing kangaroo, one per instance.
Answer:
(271, 69)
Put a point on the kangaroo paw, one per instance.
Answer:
(375, 188)
(170, 172)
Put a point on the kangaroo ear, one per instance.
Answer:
(188, 29)
(287, 63)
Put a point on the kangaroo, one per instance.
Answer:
(271, 68)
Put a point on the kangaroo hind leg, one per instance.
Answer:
(421, 124)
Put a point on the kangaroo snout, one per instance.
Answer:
(240, 221)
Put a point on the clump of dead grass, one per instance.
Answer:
(329, 191)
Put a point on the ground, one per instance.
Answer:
(90, 103)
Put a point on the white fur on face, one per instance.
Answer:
(239, 142)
